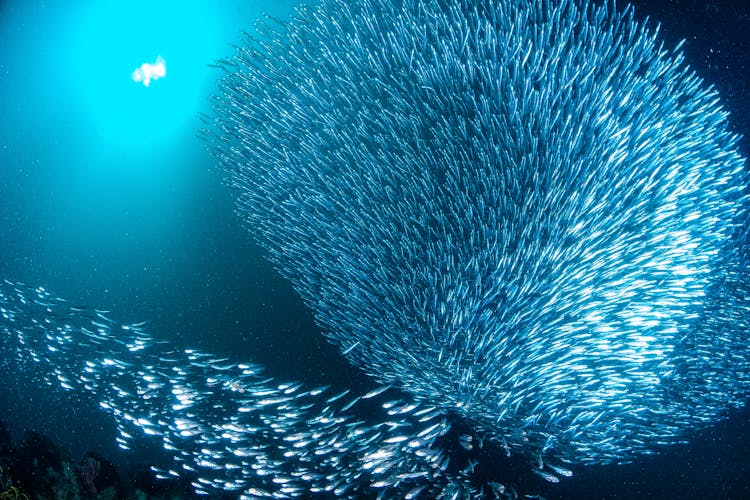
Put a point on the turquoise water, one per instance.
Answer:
(108, 197)
(107, 194)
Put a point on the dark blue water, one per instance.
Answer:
(108, 198)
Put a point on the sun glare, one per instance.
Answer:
(147, 72)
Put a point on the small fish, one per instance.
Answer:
(338, 396)
(558, 469)
(350, 348)
(351, 403)
(377, 391)
(546, 476)
(465, 440)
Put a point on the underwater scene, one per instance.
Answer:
(421, 249)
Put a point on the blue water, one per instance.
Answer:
(107, 198)
(107, 195)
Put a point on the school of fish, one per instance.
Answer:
(223, 423)
(529, 215)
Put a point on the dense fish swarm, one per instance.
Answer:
(527, 212)
(223, 424)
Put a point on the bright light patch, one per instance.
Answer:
(147, 72)
(133, 117)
